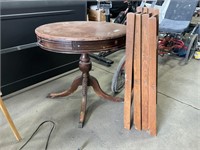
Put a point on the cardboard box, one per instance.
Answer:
(96, 15)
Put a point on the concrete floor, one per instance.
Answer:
(178, 113)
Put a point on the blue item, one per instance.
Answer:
(178, 16)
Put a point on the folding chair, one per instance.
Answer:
(152, 3)
(178, 16)
(175, 24)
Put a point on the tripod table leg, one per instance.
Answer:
(94, 83)
(84, 99)
(69, 91)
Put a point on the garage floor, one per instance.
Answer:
(178, 113)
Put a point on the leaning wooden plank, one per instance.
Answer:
(153, 11)
(145, 10)
(130, 29)
(9, 119)
(152, 74)
(137, 73)
(145, 69)
(139, 9)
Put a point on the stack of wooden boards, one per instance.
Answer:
(141, 70)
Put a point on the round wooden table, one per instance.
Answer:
(82, 37)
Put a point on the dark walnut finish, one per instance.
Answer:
(81, 37)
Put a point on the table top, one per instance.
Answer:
(80, 36)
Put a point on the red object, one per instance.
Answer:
(168, 44)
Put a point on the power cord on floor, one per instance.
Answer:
(48, 121)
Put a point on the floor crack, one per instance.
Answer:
(179, 101)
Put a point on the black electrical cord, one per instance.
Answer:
(48, 121)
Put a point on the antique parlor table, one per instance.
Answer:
(82, 37)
